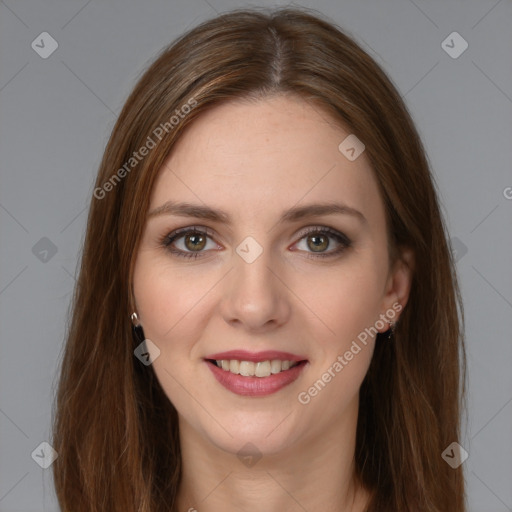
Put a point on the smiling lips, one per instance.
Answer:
(255, 374)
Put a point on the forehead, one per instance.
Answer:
(268, 154)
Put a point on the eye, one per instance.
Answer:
(318, 239)
(192, 241)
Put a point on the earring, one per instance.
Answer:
(391, 330)
(137, 331)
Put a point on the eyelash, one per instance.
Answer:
(167, 241)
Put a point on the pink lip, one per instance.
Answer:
(255, 386)
(266, 355)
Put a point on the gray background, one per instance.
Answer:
(57, 114)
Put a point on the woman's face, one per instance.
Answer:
(262, 275)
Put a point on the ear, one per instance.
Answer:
(398, 284)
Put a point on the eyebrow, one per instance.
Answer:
(292, 215)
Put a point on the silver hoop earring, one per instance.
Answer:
(137, 331)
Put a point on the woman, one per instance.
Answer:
(265, 224)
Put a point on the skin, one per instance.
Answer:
(254, 160)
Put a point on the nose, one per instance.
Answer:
(255, 296)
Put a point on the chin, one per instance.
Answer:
(265, 433)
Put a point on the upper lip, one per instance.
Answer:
(265, 355)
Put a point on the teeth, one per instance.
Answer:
(259, 369)
(275, 366)
(247, 368)
(262, 369)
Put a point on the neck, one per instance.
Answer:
(318, 474)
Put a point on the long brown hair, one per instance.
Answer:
(114, 428)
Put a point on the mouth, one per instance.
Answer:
(255, 374)
(255, 369)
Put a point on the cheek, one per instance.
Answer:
(168, 298)
(344, 301)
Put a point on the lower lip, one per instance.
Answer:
(256, 386)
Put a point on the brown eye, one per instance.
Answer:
(189, 242)
(317, 240)
(318, 243)
(195, 242)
